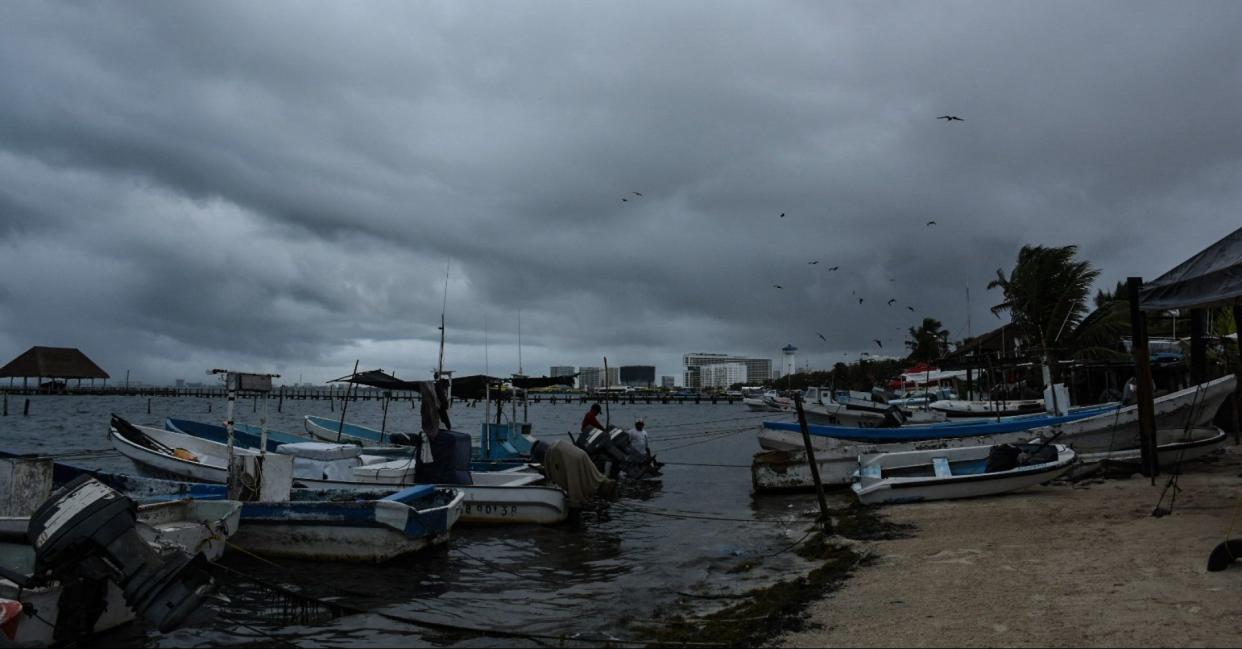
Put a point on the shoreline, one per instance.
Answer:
(1067, 564)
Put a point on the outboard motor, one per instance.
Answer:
(893, 418)
(86, 531)
(613, 454)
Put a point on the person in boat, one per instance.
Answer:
(591, 420)
(638, 437)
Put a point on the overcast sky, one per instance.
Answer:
(280, 186)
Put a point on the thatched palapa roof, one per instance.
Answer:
(53, 362)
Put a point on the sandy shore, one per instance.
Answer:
(1058, 565)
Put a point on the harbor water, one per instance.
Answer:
(686, 544)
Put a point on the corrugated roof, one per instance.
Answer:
(53, 362)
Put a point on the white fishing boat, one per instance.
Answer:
(999, 408)
(1173, 447)
(307, 527)
(769, 401)
(508, 496)
(915, 476)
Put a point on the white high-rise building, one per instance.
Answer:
(760, 369)
(789, 362)
(722, 375)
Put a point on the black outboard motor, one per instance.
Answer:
(86, 531)
(893, 418)
(613, 454)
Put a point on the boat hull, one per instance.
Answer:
(893, 490)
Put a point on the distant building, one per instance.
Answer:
(668, 381)
(593, 377)
(562, 370)
(789, 362)
(180, 383)
(760, 369)
(721, 375)
(638, 376)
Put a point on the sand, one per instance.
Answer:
(1058, 565)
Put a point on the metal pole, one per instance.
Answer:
(810, 456)
(345, 403)
(1237, 386)
(228, 425)
(1198, 348)
(1142, 380)
(263, 427)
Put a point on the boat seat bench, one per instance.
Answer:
(941, 465)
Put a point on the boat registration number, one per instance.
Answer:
(488, 509)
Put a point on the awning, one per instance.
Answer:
(1211, 278)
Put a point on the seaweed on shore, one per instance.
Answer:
(764, 613)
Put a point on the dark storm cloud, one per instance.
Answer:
(270, 185)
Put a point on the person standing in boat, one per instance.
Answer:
(638, 437)
(591, 420)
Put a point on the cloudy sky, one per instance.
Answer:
(281, 186)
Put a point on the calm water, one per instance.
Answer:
(656, 551)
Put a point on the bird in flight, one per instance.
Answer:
(860, 300)
(877, 341)
(639, 194)
(821, 336)
(931, 223)
(911, 308)
(777, 286)
(950, 118)
(782, 215)
(834, 268)
(625, 200)
(813, 262)
(890, 302)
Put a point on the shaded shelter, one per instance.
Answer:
(62, 363)
(1211, 278)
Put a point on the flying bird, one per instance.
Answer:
(782, 215)
(877, 341)
(834, 268)
(777, 286)
(639, 194)
(911, 308)
(625, 200)
(813, 262)
(860, 300)
(890, 302)
(950, 118)
(931, 223)
(821, 336)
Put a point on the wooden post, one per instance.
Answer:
(26, 408)
(1237, 386)
(148, 405)
(1198, 348)
(810, 456)
(345, 403)
(6, 404)
(280, 405)
(1142, 381)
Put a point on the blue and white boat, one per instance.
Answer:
(329, 525)
(504, 496)
(943, 474)
(783, 436)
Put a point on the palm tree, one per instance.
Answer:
(1046, 297)
(929, 342)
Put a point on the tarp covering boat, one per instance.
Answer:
(1211, 278)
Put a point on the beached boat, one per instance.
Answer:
(789, 471)
(955, 408)
(1090, 429)
(969, 472)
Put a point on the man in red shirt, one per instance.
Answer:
(591, 420)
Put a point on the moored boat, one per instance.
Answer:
(968, 472)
